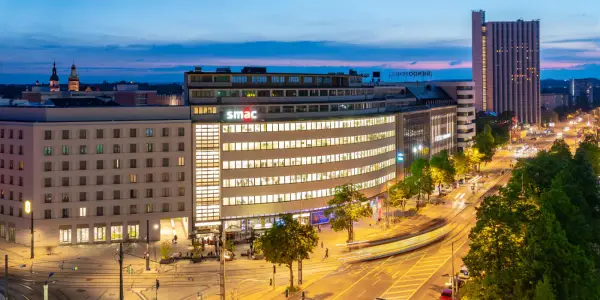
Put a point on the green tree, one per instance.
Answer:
(426, 185)
(485, 142)
(544, 290)
(474, 157)
(461, 164)
(288, 241)
(347, 207)
(442, 169)
(400, 193)
(421, 178)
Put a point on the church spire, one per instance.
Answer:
(54, 82)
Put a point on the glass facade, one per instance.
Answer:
(207, 163)
(417, 136)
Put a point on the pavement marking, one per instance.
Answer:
(26, 287)
(362, 293)
(376, 281)
(24, 297)
(425, 281)
(356, 282)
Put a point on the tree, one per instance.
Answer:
(426, 184)
(421, 178)
(485, 143)
(400, 193)
(288, 241)
(474, 157)
(544, 290)
(442, 169)
(347, 207)
(461, 164)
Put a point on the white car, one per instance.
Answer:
(464, 273)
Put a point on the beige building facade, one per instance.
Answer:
(93, 175)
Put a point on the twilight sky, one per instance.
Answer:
(155, 41)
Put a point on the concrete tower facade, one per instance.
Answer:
(506, 67)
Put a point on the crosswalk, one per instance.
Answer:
(407, 284)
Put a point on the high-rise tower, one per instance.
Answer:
(506, 67)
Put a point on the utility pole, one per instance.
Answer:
(147, 245)
(222, 263)
(121, 296)
(6, 276)
(453, 275)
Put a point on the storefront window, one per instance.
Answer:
(99, 233)
(83, 235)
(116, 232)
(133, 231)
(65, 236)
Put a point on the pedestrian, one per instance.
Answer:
(326, 252)
(321, 244)
(175, 239)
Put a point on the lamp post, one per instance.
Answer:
(46, 286)
(147, 245)
(29, 210)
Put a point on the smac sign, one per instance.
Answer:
(240, 115)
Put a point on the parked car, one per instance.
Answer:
(446, 294)
(464, 273)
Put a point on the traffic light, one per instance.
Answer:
(157, 284)
(75, 268)
(274, 269)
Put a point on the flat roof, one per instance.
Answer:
(93, 114)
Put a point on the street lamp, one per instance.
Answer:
(46, 286)
(29, 210)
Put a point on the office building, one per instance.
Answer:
(273, 143)
(506, 67)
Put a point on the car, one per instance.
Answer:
(533, 139)
(229, 256)
(463, 274)
(446, 294)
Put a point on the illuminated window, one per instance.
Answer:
(269, 145)
(301, 178)
(133, 231)
(116, 232)
(243, 200)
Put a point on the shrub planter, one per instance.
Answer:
(166, 261)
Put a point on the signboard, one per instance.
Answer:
(443, 137)
(411, 74)
(400, 156)
(240, 115)
(318, 217)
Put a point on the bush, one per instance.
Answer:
(165, 249)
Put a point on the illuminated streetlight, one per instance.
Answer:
(29, 210)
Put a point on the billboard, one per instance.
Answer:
(319, 217)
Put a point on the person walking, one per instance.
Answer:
(326, 252)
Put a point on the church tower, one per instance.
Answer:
(73, 79)
(54, 83)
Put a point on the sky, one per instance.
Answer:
(156, 41)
